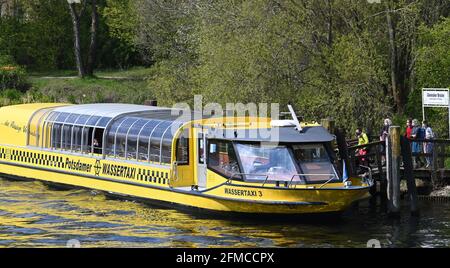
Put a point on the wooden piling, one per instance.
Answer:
(328, 124)
(378, 158)
(409, 174)
(393, 154)
(436, 180)
(343, 149)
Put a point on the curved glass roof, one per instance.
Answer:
(136, 132)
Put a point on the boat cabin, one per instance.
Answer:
(198, 151)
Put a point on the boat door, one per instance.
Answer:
(201, 158)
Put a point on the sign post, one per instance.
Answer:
(436, 97)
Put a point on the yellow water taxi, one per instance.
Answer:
(163, 155)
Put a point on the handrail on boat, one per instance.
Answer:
(328, 181)
(290, 182)
(333, 176)
(370, 172)
(245, 174)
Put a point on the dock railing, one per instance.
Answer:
(433, 164)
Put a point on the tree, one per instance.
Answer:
(88, 68)
(76, 34)
(93, 41)
(432, 71)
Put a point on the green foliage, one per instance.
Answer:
(121, 18)
(171, 82)
(251, 53)
(433, 57)
(128, 87)
(12, 76)
(166, 30)
(432, 71)
(328, 58)
(40, 36)
(10, 97)
(351, 93)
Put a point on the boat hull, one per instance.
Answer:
(278, 201)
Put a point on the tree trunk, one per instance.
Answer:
(330, 23)
(77, 45)
(396, 89)
(93, 43)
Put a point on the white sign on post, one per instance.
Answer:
(436, 97)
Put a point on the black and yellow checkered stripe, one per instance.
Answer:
(42, 159)
(154, 176)
(33, 158)
(2, 153)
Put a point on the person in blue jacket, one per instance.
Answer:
(417, 133)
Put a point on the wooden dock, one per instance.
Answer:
(438, 170)
(388, 162)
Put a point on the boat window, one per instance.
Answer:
(34, 127)
(76, 142)
(82, 120)
(314, 159)
(132, 136)
(103, 121)
(155, 141)
(97, 145)
(86, 139)
(65, 137)
(71, 119)
(182, 150)
(111, 147)
(129, 137)
(48, 125)
(121, 135)
(222, 158)
(166, 143)
(261, 162)
(67, 131)
(56, 136)
(143, 140)
(92, 121)
(62, 117)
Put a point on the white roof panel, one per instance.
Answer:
(107, 109)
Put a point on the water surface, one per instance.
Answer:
(34, 215)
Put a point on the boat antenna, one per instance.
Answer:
(295, 118)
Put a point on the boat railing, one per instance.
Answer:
(333, 177)
(291, 181)
(246, 174)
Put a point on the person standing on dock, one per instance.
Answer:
(362, 140)
(383, 135)
(409, 128)
(428, 146)
(417, 133)
(385, 130)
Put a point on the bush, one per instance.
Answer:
(11, 75)
(10, 97)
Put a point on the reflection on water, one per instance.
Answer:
(32, 215)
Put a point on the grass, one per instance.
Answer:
(127, 86)
(136, 73)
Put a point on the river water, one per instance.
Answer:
(34, 215)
